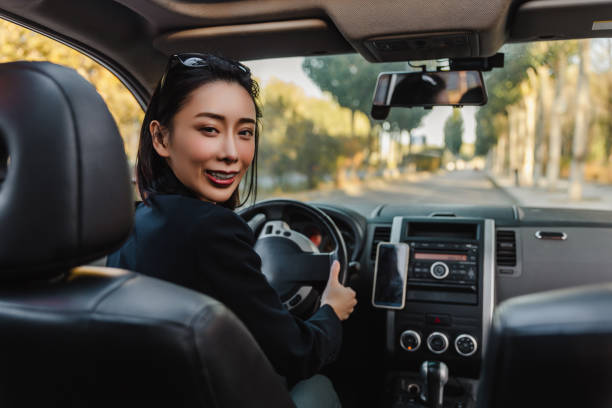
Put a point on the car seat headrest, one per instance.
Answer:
(550, 349)
(65, 194)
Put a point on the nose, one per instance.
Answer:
(228, 152)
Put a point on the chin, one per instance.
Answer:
(215, 196)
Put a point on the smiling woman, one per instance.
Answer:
(198, 140)
(200, 135)
(211, 141)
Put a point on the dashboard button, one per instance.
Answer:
(438, 319)
(410, 340)
(466, 345)
(437, 342)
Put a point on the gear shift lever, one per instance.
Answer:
(435, 376)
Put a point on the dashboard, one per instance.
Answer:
(518, 250)
(536, 249)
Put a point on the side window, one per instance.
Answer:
(18, 43)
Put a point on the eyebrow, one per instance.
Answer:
(221, 117)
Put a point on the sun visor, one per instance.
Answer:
(562, 19)
(259, 40)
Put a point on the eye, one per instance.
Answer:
(246, 133)
(208, 130)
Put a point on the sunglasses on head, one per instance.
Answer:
(194, 60)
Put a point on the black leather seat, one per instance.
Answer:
(552, 349)
(97, 337)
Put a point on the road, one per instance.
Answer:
(459, 187)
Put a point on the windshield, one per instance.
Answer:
(543, 139)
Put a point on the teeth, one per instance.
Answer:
(221, 176)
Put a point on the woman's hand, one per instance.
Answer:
(339, 297)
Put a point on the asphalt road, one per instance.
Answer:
(459, 187)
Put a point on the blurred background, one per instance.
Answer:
(543, 139)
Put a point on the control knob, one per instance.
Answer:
(410, 340)
(466, 345)
(437, 342)
(439, 270)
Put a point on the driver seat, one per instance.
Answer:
(89, 336)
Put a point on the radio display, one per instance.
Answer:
(440, 257)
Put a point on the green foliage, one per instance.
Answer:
(406, 118)
(486, 134)
(348, 78)
(305, 135)
(503, 84)
(453, 132)
(503, 90)
(351, 80)
(316, 151)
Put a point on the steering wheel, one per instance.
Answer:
(291, 262)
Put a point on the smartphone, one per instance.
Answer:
(390, 275)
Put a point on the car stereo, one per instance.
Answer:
(444, 263)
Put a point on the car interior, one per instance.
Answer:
(505, 306)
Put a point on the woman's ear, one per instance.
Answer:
(159, 137)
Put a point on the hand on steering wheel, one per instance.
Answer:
(338, 296)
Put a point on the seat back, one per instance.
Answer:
(552, 349)
(89, 336)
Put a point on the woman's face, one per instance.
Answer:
(212, 140)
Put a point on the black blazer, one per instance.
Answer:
(209, 248)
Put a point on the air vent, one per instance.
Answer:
(506, 248)
(381, 234)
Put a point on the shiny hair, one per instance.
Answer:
(153, 174)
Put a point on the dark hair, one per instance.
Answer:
(154, 176)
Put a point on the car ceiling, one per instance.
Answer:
(134, 37)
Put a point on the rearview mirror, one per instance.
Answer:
(427, 89)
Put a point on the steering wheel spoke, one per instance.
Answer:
(257, 221)
(291, 262)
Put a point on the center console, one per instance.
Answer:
(449, 295)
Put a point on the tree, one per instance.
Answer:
(545, 95)
(503, 90)
(529, 90)
(316, 151)
(453, 132)
(306, 135)
(556, 121)
(581, 124)
(351, 80)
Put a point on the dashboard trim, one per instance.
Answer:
(396, 230)
(390, 331)
(488, 279)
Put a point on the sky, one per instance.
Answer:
(290, 70)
